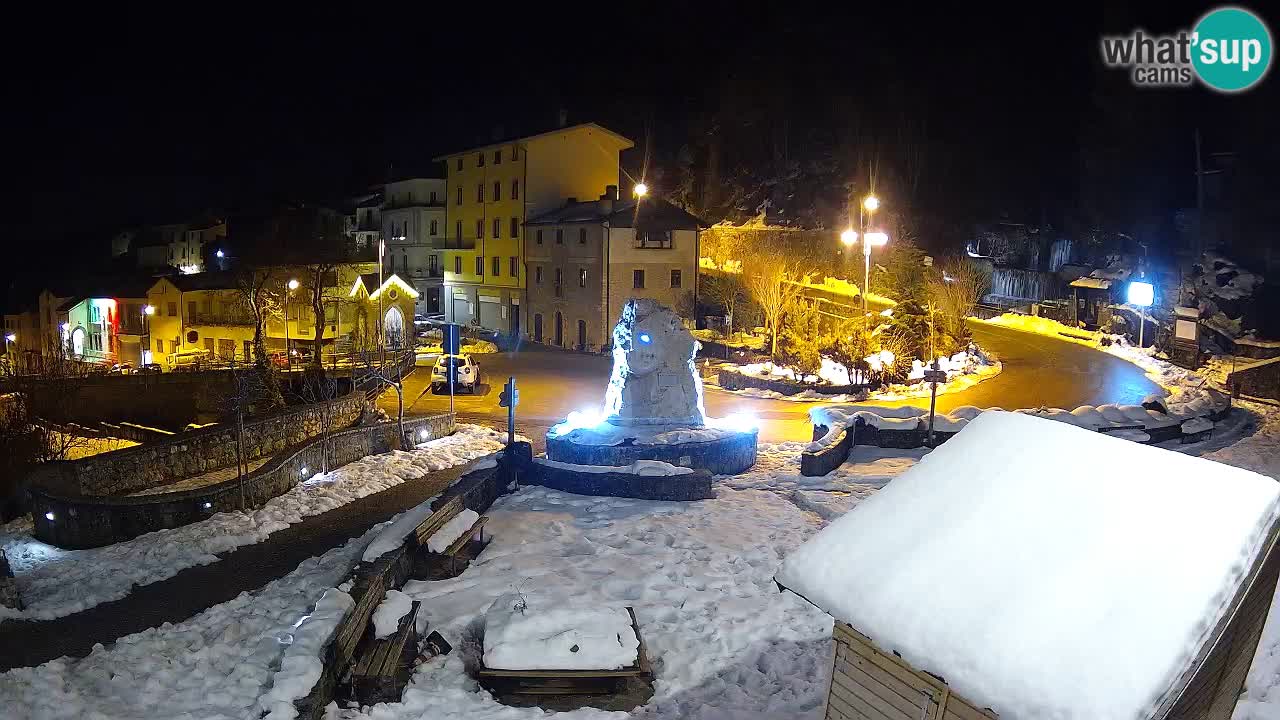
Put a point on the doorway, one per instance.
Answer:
(559, 329)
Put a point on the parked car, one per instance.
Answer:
(189, 360)
(467, 373)
(123, 368)
(150, 369)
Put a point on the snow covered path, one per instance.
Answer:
(56, 582)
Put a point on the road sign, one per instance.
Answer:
(935, 376)
(451, 339)
(928, 261)
(509, 398)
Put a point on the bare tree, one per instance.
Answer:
(954, 291)
(246, 390)
(319, 391)
(725, 290)
(773, 279)
(321, 279)
(262, 293)
(380, 376)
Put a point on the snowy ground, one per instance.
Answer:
(55, 582)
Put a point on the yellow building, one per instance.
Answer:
(490, 191)
(204, 315)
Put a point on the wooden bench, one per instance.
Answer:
(568, 682)
(382, 670)
(430, 565)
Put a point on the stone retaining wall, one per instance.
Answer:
(191, 453)
(8, 586)
(689, 486)
(727, 456)
(78, 521)
(814, 464)
(1261, 380)
(731, 380)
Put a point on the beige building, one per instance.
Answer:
(491, 191)
(414, 228)
(586, 259)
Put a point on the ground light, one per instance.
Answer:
(11, 337)
(422, 434)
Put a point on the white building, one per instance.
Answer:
(413, 228)
(187, 243)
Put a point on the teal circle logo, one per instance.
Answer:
(1231, 49)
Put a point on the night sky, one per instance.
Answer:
(127, 117)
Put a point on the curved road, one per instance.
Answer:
(1038, 370)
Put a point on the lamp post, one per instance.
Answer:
(288, 351)
(868, 240)
(382, 333)
(641, 190)
(147, 312)
(866, 209)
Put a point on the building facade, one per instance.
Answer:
(586, 259)
(413, 227)
(491, 192)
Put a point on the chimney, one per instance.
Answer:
(564, 117)
(605, 203)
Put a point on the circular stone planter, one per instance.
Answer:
(731, 453)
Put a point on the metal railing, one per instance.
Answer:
(222, 317)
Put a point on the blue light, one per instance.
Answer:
(644, 337)
(1140, 293)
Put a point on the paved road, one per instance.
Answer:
(1038, 370)
(194, 589)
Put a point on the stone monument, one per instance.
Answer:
(654, 381)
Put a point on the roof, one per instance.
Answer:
(625, 141)
(215, 280)
(650, 213)
(1053, 578)
(1091, 282)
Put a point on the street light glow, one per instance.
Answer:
(1142, 294)
(848, 237)
(872, 203)
(149, 310)
(220, 254)
(641, 189)
(875, 238)
(11, 337)
(293, 284)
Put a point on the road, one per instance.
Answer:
(1038, 371)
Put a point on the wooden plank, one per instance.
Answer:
(867, 698)
(851, 707)
(465, 538)
(911, 693)
(437, 519)
(894, 665)
(909, 706)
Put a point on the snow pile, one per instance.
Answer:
(216, 664)
(837, 418)
(56, 582)
(639, 467)
(452, 530)
(1040, 326)
(393, 535)
(528, 632)
(302, 665)
(1097, 607)
(386, 617)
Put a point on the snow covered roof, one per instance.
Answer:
(1041, 569)
(1091, 282)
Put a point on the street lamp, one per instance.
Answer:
(871, 203)
(220, 254)
(288, 351)
(848, 237)
(641, 190)
(868, 240)
(1143, 295)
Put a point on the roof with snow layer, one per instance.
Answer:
(1042, 569)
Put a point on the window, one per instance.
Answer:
(457, 265)
(637, 279)
(479, 159)
(653, 239)
(515, 267)
(538, 235)
(497, 157)
(515, 189)
(497, 190)
(457, 227)
(515, 227)
(537, 274)
(582, 277)
(248, 349)
(173, 309)
(480, 192)
(433, 197)
(559, 236)
(675, 278)
(515, 153)
(435, 226)
(459, 193)
(459, 164)
(159, 346)
(480, 266)
(479, 228)
(497, 266)
(559, 281)
(582, 236)
(497, 228)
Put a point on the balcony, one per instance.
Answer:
(435, 273)
(224, 318)
(132, 327)
(402, 203)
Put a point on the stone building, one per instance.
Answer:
(586, 259)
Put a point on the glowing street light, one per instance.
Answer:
(220, 254)
(293, 284)
(11, 337)
(871, 203)
(849, 237)
(1142, 294)
(641, 190)
(149, 310)
(868, 240)
(288, 355)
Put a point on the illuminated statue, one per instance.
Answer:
(655, 381)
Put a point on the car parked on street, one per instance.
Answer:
(466, 373)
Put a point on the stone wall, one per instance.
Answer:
(821, 462)
(727, 456)
(689, 486)
(167, 400)
(77, 521)
(1260, 380)
(192, 453)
